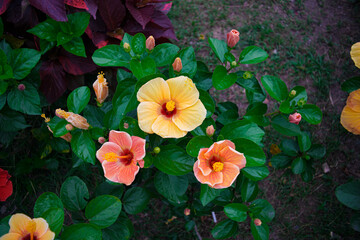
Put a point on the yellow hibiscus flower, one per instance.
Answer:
(170, 108)
(355, 54)
(350, 116)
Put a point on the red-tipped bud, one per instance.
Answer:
(210, 131)
(295, 118)
(177, 65)
(232, 38)
(187, 211)
(69, 127)
(150, 43)
(101, 140)
(21, 87)
(257, 222)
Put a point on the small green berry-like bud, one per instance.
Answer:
(301, 102)
(233, 63)
(127, 47)
(247, 75)
(292, 93)
(156, 150)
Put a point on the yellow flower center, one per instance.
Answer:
(62, 113)
(218, 166)
(170, 106)
(113, 157)
(101, 77)
(46, 119)
(31, 228)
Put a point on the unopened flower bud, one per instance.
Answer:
(257, 222)
(156, 150)
(100, 88)
(187, 211)
(232, 38)
(126, 125)
(292, 93)
(233, 63)
(301, 102)
(76, 120)
(274, 149)
(150, 43)
(21, 87)
(247, 75)
(177, 65)
(295, 118)
(210, 131)
(101, 140)
(69, 127)
(127, 47)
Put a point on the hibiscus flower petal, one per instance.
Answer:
(190, 118)
(166, 128)
(11, 236)
(41, 226)
(217, 147)
(18, 223)
(230, 173)
(183, 92)
(353, 100)
(138, 147)
(232, 156)
(128, 173)
(6, 190)
(350, 120)
(355, 54)
(156, 90)
(106, 148)
(122, 139)
(204, 163)
(212, 179)
(49, 235)
(148, 112)
(111, 170)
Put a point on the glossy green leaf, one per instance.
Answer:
(94, 115)
(2, 100)
(263, 210)
(143, 68)
(119, 230)
(57, 126)
(243, 128)
(207, 194)
(253, 153)
(298, 165)
(75, 46)
(355, 222)
(195, 144)
(111, 56)
(236, 211)
(311, 113)
(189, 65)
(283, 126)
(171, 187)
(63, 38)
(22, 61)
(135, 200)
(255, 113)
(317, 151)
(83, 146)
(219, 47)
(27, 101)
(221, 79)
(103, 210)
(281, 161)
(249, 189)
(256, 173)
(74, 194)
(55, 218)
(11, 121)
(81, 231)
(351, 84)
(76, 24)
(304, 141)
(202, 78)
(259, 232)
(201, 130)
(276, 88)
(138, 43)
(252, 55)
(208, 102)
(78, 99)
(289, 147)
(45, 202)
(228, 117)
(349, 194)
(224, 229)
(164, 53)
(131, 126)
(46, 30)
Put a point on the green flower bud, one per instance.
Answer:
(247, 75)
(127, 47)
(156, 150)
(292, 93)
(301, 102)
(233, 63)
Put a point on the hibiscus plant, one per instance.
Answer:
(161, 135)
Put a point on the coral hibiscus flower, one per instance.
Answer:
(170, 108)
(219, 165)
(121, 157)
(6, 187)
(350, 116)
(24, 228)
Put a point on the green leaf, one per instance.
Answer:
(76, 24)
(74, 193)
(138, 43)
(143, 68)
(219, 47)
(189, 65)
(94, 115)
(298, 165)
(308, 174)
(202, 78)
(300, 94)
(355, 222)
(255, 173)
(76, 47)
(281, 161)
(195, 144)
(119, 230)
(2, 100)
(208, 102)
(289, 147)
(283, 126)
(3, 87)
(135, 200)
(164, 53)
(11, 121)
(304, 141)
(78, 99)
(249, 189)
(57, 126)
(221, 79)
(207, 194)
(27, 101)
(349, 194)
(103, 210)
(228, 117)
(317, 151)
(201, 130)
(107, 188)
(259, 232)
(254, 154)
(22, 61)
(236, 211)
(224, 229)
(111, 56)
(276, 88)
(171, 187)
(351, 84)
(255, 113)
(243, 128)
(254, 91)
(55, 218)
(132, 127)
(262, 209)
(46, 30)
(81, 231)
(7, 73)
(45, 46)
(83, 146)
(252, 55)
(311, 113)
(45, 202)
(173, 160)
(63, 38)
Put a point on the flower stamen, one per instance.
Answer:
(113, 157)
(31, 228)
(46, 119)
(218, 166)
(101, 77)
(170, 106)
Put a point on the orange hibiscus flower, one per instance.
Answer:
(22, 227)
(121, 157)
(170, 108)
(219, 165)
(350, 116)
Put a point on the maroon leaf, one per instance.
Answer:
(165, 8)
(53, 80)
(20, 17)
(4, 5)
(54, 8)
(76, 65)
(112, 12)
(141, 15)
(92, 7)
